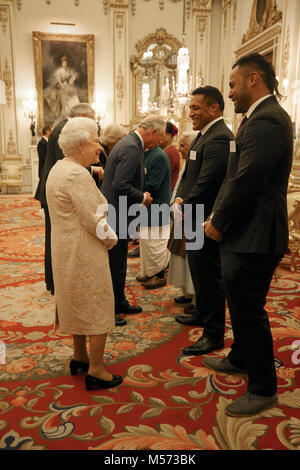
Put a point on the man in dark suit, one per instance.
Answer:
(203, 176)
(124, 176)
(250, 221)
(42, 147)
(54, 153)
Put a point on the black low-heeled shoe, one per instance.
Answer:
(93, 382)
(76, 366)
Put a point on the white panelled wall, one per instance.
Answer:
(214, 34)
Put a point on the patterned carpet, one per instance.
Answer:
(166, 402)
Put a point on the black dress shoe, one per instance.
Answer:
(127, 308)
(190, 309)
(204, 345)
(189, 320)
(93, 382)
(78, 366)
(182, 300)
(120, 321)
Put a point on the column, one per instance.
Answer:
(8, 117)
(201, 41)
(119, 31)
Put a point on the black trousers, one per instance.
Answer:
(118, 269)
(210, 298)
(48, 263)
(247, 279)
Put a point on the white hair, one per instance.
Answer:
(153, 121)
(82, 108)
(189, 136)
(77, 130)
(112, 133)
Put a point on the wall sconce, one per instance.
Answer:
(99, 106)
(30, 107)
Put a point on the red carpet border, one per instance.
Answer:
(166, 402)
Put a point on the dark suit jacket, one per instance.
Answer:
(124, 174)
(203, 176)
(54, 153)
(251, 209)
(42, 152)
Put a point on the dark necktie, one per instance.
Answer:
(199, 135)
(242, 124)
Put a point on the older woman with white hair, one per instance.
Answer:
(109, 136)
(81, 239)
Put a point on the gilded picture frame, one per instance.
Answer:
(64, 74)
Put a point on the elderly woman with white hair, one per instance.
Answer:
(81, 239)
(109, 136)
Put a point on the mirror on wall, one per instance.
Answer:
(154, 65)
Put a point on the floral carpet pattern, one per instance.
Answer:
(166, 402)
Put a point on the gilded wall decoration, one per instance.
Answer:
(19, 4)
(118, 3)
(234, 14)
(226, 3)
(133, 7)
(225, 21)
(11, 145)
(264, 14)
(4, 18)
(106, 6)
(201, 27)
(199, 5)
(286, 54)
(161, 4)
(64, 73)
(120, 86)
(7, 78)
(119, 24)
(155, 62)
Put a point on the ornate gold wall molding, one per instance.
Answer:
(11, 144)
(256, 44)
(201, 27)
(226, 3)
(119, 16)
(119, 23)
(7, 78)
(106, 6)
(264, 14)
(160, 37)
(234, 14)
(120, 86)
(118, 4)
(200, 5)
(285, 55)
(4, 15)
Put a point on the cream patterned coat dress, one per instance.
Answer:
(82, 280)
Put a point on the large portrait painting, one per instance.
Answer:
(64, 74)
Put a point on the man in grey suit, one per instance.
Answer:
(203, 176)
(124, 176)
(249, 220)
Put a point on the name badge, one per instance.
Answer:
(232, 146)
(193, 155)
